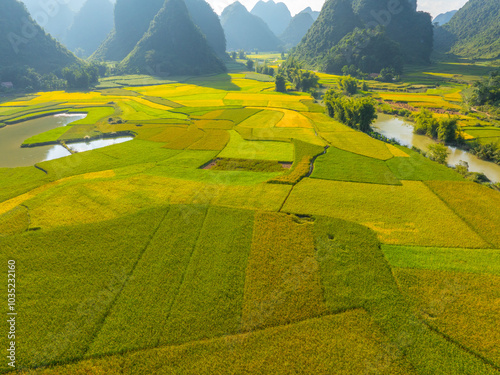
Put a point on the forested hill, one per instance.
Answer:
(57, 22)
(90, 28)
(247, 31)
(474, 31)
(275, 15)
(411, 30)
(173, 45)
(132, 19)
(314, 14)
(444, 18)
(209, 23)
(298, 27)
(24, 43)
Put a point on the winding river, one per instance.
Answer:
(12, 137)
(394, 127)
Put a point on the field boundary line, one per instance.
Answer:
(183, 278)
(459, 216)
(102, 321)
(457, 343)
(147, 348)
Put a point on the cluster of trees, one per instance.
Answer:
(83, 77)
(30, 80)
(265, 69)
(358, 113)
(488, 151)
(74, 77)
(445, 129)
(487, 91)
(302, 80)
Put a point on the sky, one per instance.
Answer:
(434, 7)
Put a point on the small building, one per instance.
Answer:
(7, 85)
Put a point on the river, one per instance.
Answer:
(394, 127)
(12, 137)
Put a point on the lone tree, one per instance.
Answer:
(250, 64)
(280, 83)
(439, 153)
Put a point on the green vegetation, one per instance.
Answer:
(41, 52)
(484, 261)
(355, 275)
(239, 264)
(473, 31)
(212, 290)
(170, 249)
(345, 166)
(358, 113)
(351, 26)
(297, 29)
(132, 19)
(419, 168)
(152, 53)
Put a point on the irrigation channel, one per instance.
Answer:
(12, 137)
(396, 128)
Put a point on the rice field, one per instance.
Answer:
(282, 284)
(239, 148)
(477, 205)
(459, 305)
(345, 166)
(410, 214)
(358, 143)
(228, 238)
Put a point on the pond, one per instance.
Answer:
(12, 137)
(393, 127)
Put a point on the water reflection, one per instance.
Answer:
(13, 136)
(97, 143)
(393, 127)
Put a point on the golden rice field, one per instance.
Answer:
(243, 231)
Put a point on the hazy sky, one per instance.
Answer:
(434, 7)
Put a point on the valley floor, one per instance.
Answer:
(135, 259)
